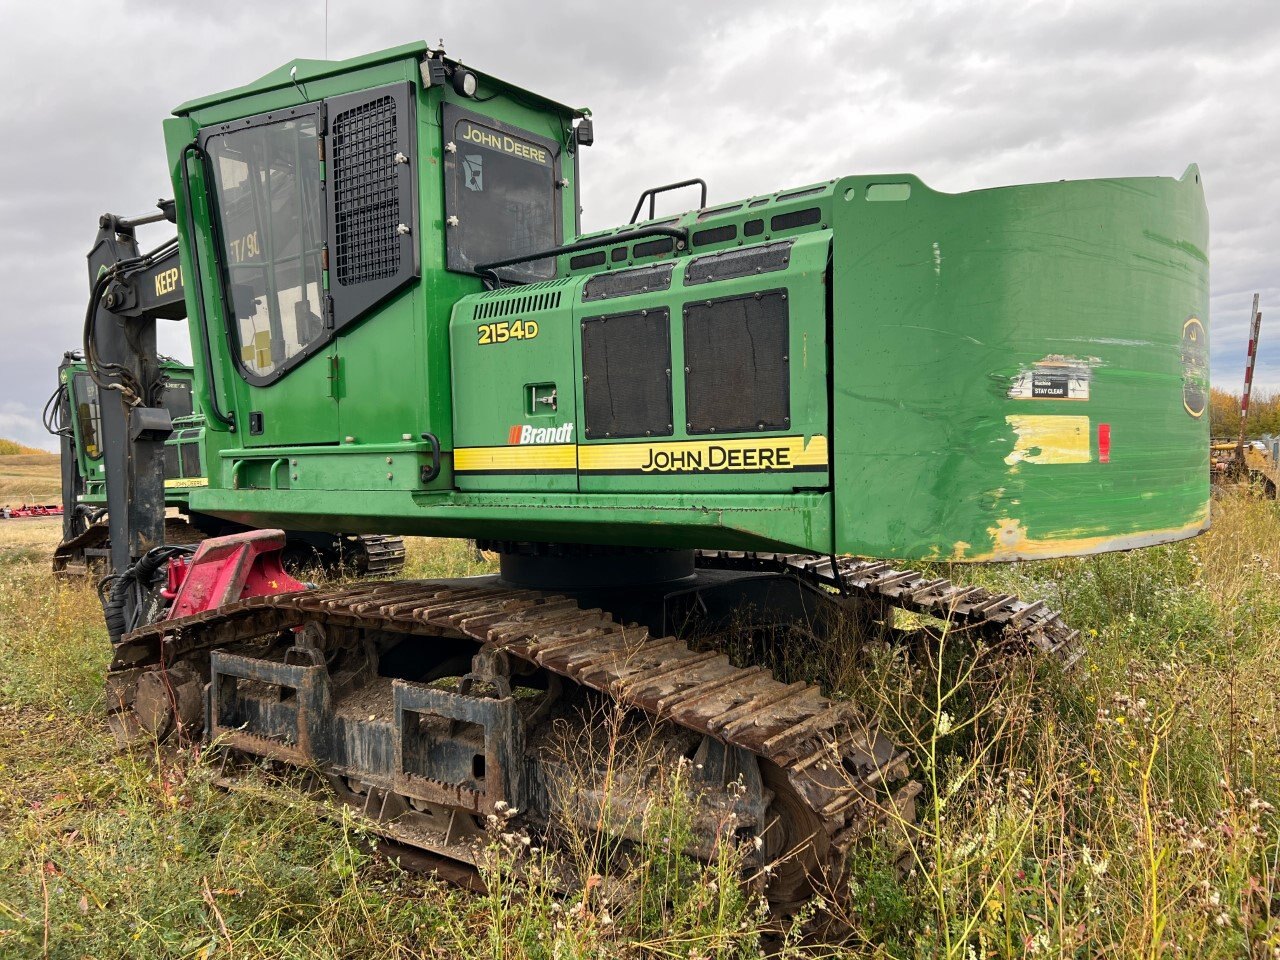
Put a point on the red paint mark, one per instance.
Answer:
(1104, 443)
(513, 436)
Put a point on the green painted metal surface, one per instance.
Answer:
(1015, 372)
(86, 430)
(988, 338)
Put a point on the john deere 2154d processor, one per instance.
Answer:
(399, 328)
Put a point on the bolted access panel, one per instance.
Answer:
(737, 363)
(626, 381)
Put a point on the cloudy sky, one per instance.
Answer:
(751, 96)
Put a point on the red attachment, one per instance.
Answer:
(226, 569)
(1104, 443)
(176, 572)
(26, 512)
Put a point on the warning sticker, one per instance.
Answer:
(1053, 379)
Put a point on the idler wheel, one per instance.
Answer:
(795, 834)
(169, 699)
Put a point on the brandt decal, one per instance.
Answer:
(524, 433)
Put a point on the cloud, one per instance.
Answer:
(21, 422)
(751, 96)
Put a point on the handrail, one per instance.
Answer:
(429, 473)
(679, 234)
(202, 319)
(652, 194)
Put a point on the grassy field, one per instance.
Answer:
(1124, 809)
(29, 477)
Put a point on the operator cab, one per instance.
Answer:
(337, 191)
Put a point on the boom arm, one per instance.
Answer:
(130, 291)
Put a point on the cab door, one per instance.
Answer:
(270, 225)
(383, 357)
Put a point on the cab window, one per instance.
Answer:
(88, 415)
(501, 188)
(270, 224)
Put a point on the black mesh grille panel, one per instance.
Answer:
(741, 262)
(653, 248)
(623, 283)
(797, 218)
(191, 460)
(171, 471)
(587, 260)
(626, 383)
(715, 235)
(366, 195)
(736, 364)
(808, 192)
(705, 214)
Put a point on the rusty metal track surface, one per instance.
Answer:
(839, 772)
(995, 617)
(94, 536)
(833, 756)
(97, 536)
(383, 555)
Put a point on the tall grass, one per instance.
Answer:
(1123, 809)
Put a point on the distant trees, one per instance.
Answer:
(1224, 414)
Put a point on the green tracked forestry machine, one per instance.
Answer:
(398, 327)
(73, 415)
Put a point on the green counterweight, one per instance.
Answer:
(1022, 372)
(860, 366)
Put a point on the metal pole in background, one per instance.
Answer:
(1255, 324)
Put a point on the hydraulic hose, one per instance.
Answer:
(124, 595)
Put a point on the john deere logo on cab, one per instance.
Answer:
(523, 433)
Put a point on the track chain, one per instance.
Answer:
(846, 774)
(383, 555)
(981, 613)
(840, 766)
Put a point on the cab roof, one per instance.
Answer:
(308, 70)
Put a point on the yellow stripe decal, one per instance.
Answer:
(738, 455)
(551, 456)
(186, 482)
(763, 454)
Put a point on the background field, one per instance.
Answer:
(28, 477)
(1122, 810)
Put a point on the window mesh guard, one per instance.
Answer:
(366, 193)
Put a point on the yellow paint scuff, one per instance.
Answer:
(1049, 439)
(1009, 541)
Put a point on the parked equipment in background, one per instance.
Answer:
(1252, 463)
(677, 427)
(73, 414)
(31, 511)
(1240, 460)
